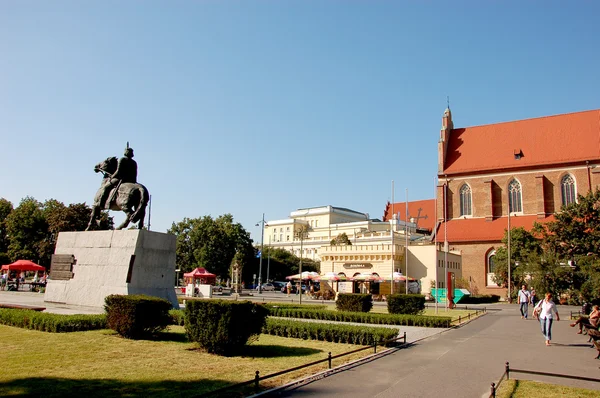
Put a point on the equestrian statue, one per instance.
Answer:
(120, 190)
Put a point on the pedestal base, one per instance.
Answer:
(115, 262)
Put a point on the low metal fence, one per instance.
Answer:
(258, 378)
(508, 371)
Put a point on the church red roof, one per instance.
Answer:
(481, 230)
(559, 139)
(422, 211)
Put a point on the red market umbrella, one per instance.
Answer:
(23, 265)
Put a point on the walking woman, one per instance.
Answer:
(544, 310)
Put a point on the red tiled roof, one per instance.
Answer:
(423, 211)
(568, 138)
(480, 230)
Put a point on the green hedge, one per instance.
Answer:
(223, 327)
(177, 317)
(411, 304)
(480, 299)
(361, 317)
(137, 316)
(354, 302)
(335, 333)
(47, 322)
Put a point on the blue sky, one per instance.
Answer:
(251, 107)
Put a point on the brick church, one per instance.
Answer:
(529, 168)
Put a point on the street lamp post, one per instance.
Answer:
(262, 235)
(301, 235)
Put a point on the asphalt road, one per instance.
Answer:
(463, 362)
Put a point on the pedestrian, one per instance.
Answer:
(524, 298)
(533, 297)
(589, 323)
(289, 288)
(544, 310)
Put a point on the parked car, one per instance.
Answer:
(217, 289)
(279, 285)
(267, 287)
(294, 288)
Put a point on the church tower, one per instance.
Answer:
(447, 127)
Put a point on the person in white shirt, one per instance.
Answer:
(524, 299)
(545, 308)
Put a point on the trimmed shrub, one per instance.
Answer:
(411, 304)
(137, 316)
(480, 299)
(348, 334)
(47, 322)
(354, 302)
(177, 317)
(223, 327)
(361, 317)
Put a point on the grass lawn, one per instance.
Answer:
(533, 389)
(100, 363)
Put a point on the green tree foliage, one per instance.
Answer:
(524, 249)
(576, 231)
(341, 239)
(26, 227)
(6, 208)
(32, 228)
(212, 244)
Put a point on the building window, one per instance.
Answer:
(287, 238)
(287, 229)
(465, 200)
(514, 197)
(491, 265)
(281, 237)
(567, 187)
(316, 223)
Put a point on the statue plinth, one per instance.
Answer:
(113, 262)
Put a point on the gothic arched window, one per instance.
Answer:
(567, 188)
(491, 262)
(514, 197)
(465, 200)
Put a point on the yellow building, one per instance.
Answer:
(373, 250)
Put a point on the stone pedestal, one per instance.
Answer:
(114, 262)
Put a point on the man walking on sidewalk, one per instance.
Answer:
(524, 298)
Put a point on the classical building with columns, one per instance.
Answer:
(373, 250)
(525, 169)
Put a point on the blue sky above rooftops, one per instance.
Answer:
(251, 107)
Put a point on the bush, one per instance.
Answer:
(480, 299)
(47, 322)
(347, 334)
(412, 304)
(361, 317)
(177, 317)
(137, 316)
(354, 302)
(223, 327)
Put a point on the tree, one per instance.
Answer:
(26, 227)
(212, 244)
(341, 239)
(524, 252)
(576, 229)
(6, 208)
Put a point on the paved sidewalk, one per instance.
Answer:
(37, 300)
(463, 362)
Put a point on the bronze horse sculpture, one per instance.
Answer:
(131, 198)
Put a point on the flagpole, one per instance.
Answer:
(392, 233)
(508, 298)
(437, 294)
(446, 241)
(406, 241)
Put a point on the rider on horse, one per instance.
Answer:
(126, 172)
